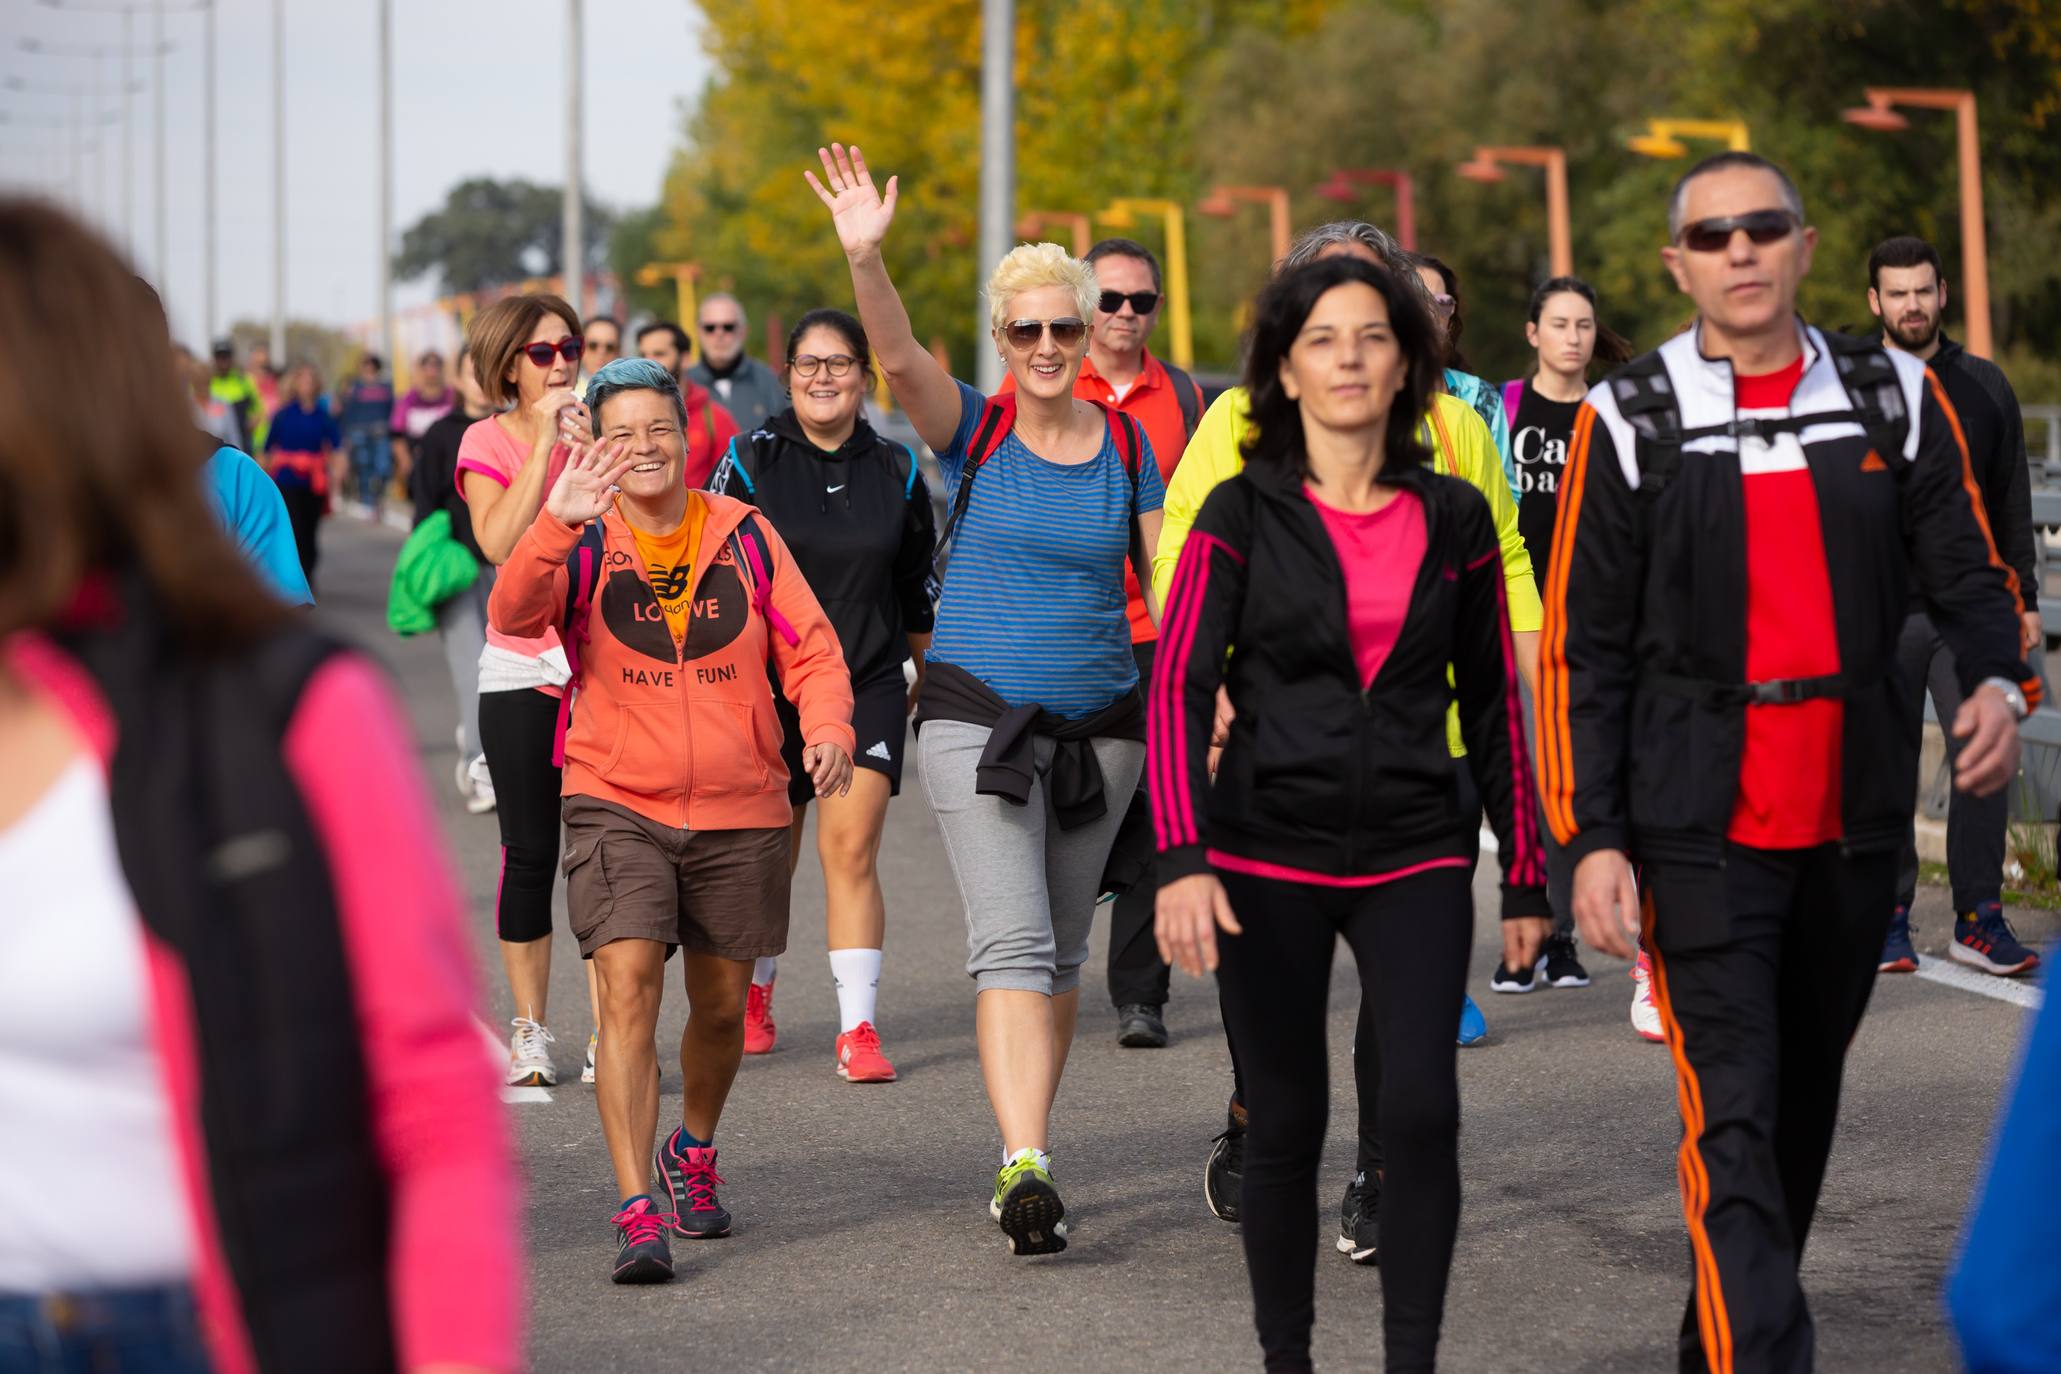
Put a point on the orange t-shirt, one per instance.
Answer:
(669, 562)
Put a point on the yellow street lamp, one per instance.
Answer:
(1123, 214)
(683, 275)
(1663, 137)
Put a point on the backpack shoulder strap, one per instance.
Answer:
(1645, 397)
(996, 420)
(733, 465)
(583, 576)
(906, 463)
(1188, 394)
(1873, 390)
(755, 565)
(1129, 438)
(1513, 392)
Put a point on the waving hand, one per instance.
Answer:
(586, 487)
(857, 209)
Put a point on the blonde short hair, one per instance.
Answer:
(1028, 266)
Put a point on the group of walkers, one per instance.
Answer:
(1259, 668)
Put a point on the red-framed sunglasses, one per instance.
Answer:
(569, 348)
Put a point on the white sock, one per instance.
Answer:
(857, 972)
(762, 972)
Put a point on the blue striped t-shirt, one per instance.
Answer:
(1033, 601)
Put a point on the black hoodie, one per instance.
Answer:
(859, 524)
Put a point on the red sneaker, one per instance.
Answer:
(859, 1059)
(759, 1029)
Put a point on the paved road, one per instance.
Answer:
(863, 1242)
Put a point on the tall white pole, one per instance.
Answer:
(158, 263)
(78, 154)
(278, 182)
(997, 162)
(574, 224)
(208, 178)
(129, 130)
(386, 177)
(101, 204)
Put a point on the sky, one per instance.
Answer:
(478, 89)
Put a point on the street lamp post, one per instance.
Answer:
(1487, 166)
(1082, 230)
(386, 176)
(83, 136)
(1223, 201)
(1663, 137)
(997, 161)
(574, 227)
(1344, 183)
(278, 182)
(1880, 114)
(1122, 214)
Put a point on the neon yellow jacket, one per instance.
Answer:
(1460, 445)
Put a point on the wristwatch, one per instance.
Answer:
(2013, 697)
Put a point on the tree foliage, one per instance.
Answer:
(490, 232)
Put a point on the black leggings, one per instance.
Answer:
(515, 732)
(304, 514)
(1410, 939)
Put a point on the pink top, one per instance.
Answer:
(1380, 552)
(490, 450)
(437, 1122)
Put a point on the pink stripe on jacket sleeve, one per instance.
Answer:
(436, 1115)
(1527, 867)
(1173, 803)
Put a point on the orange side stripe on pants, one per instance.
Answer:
(1711, 1318)
(1556, 749)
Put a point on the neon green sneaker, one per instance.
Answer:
(1027, 1205)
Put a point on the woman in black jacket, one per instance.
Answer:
(1328, 587)
(855, 513)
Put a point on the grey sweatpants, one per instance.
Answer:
(462, 625)
(1029, 887)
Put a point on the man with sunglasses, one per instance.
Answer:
(1743, 517)
(746, 387)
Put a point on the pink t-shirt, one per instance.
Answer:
(490, 450)
(1380, 552)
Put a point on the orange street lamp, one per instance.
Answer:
(1342, 186)
(1663, 137)
(683, 275)
(1122, 214)
(1487, 166)
(1880, 114)
(1083, 230)
(1223, 201)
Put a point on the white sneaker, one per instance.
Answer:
(1645, 1015)
(529, 1055)
(482, 799)
(587, 1073)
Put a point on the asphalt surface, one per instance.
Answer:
(863, 1241)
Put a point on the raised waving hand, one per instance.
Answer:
(857, 209)
(586, 487)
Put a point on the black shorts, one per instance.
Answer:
(880, 721)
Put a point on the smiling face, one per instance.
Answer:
(1910, 302)
(1744, 289)
(1565, 334)
(649, 424)
(529, 381)
(824, 402)
(1346, 367)
(1045, 369)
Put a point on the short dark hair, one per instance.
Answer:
(846, 326)
(593, 320)
(1278, 317)
(1792, 199)
(1125, 248)
(679, 334)
(1905, 250)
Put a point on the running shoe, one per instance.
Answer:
(1224, 1175)
(1507, 979)
(759, 1029)
(1027, 1205)
(1984, 939)
(587, 1070)
(529, 1055)
(1563, 970)
(642, 1253)
(1473, 1025)
(859, 1059)
(1140, 1026)
(1359, 1220)
(482, 799)
(690, 1178)
(1899, 955)
(1645, 1015)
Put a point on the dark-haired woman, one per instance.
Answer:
(855, 513)
(246, 1124)
(1327, 587)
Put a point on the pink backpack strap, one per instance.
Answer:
(750, 544)
(585, 568)
(1513, 392)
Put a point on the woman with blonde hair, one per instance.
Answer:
(1031, 725)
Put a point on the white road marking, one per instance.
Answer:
(1954, 975)
(525, 1095)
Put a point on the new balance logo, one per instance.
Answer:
(880, 751)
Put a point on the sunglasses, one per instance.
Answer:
(719, 327)
(568, 348)
(1142, 302)
(602, 346)
(1444, 304)
(808, 364)
(1023, 335)
(1715, 235)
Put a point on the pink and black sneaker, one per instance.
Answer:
(690, 1178)
(642, 1254)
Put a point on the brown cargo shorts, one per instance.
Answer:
(719, 892)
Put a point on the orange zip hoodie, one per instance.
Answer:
(684, 736)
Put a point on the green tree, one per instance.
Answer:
(490, 232)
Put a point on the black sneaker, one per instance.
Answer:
(1224, 1175)
(1562, 969)
(690, 1178)
(1507, 979)
(641, 1252)
(1359, 1220)
(1139, 1027)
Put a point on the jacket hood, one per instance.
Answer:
(787, 426)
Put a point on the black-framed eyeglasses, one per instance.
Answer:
(1715, 235)
(568, 348)
(719, 326)
(1142, 302)
(808, 364)
(1067, 332)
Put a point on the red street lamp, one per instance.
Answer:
(1345, 183)
(1223, 202)
(1880, 115)
(1487, 166)
(1037, 221)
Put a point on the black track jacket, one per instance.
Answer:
(1657, 585)
(1320, 777)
